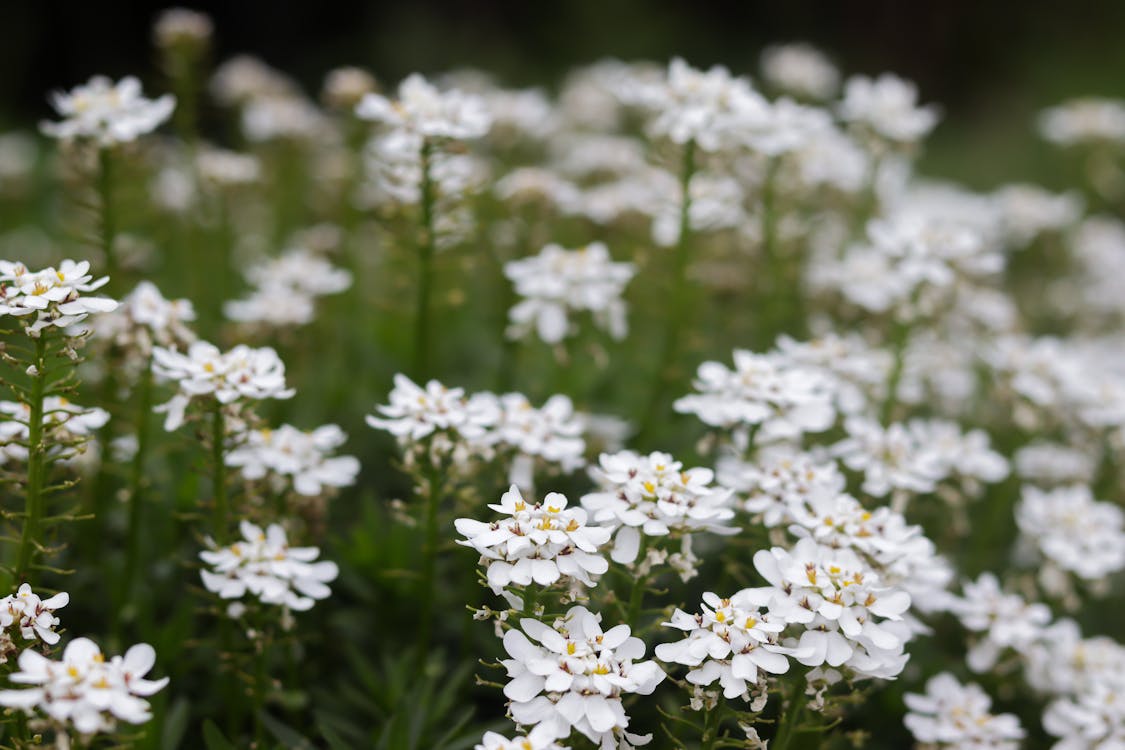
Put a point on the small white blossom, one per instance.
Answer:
(654, 496)
(731, 641)
(106, 112)
(801, 70)
(67, 427)
(573, 676)
(34, 618)
(540, 542)
(556, 282)
(1086, 120)
(1073, 530)
(888, 106)
(144, 319)
(1005, 621)
(55, 296)
(264, 565)
(422, 109)
(84, 689)
(243, 373)
(287, 455)
(956, 717)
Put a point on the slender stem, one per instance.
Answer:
(261, 677)
(136, 484)
(900, 338)
(637, 589)
(219, 478)
(678, 309)
(36, 462)
(791, 718)
(425, 268)
(108, 215)
(432, 497)
(712, 719)
(530, 600)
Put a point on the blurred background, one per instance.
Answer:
(991, 65)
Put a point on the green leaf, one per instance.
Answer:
(214, 739)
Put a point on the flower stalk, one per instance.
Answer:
(36, 462)
(423, 311)
(219, 476)
(108, 218)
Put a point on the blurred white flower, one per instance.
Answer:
(1073, 530)
(264, 565)
(106, 112)
(287, 455)
(422, 109)
(243, 373)
(1086, 120)
(800, 69)
(556, 282)
(67, 427)
(1004, 621)
(887, 106)
(145, 319)
(956, 717)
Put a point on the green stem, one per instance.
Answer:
(36, 463)
(261, 677)
(219, 467)
(108, 216)
(792, 717)
(678, 309)
(429, 561)
(900, 338)
(425, 268)
(712, 719)
(136, 485)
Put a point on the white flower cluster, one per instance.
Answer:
(541, 542)
(955, 716)
(887, 107)
(916, 456)
(67, 428)
(778, 398)
(243, 373)
(801, 70)
(286, 288)
(654, 496)
(1084, 121)
(264, 565)
(57, 297)
(289, 457)
(424, 110)
(107, 113)
(84, 689)
(1003, 621)
(483, 424)
(556, 282)
(846, 617)
(572, 675)
(31, 616)
(1073, 531)
(145, 319)
(730, 640)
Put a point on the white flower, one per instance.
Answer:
(552, 432)
(67, 427)
(887, 105)
(286, 287)
(176, 26)
(144, 319)
(243, 373)
(779, 397)
(572, 677)
(34, 617)
(56, 296)
(1062, 662)
(731, 641)
(228, 168)
(891, 458)
(557, 282)
(1093, 720)
(415, 413)
(1074, 531)
(967, 455)
(292, 117)
(1086, 120)
(264, 565)
(106, 112)
(849, 616)
(801, 70)
(1005, 621)
(779, 481)
(955, 716)
(288, 454)
(655, 496)
(540, 542)
(421, 108)
(707, 108)
(84, 689)
(538, 739)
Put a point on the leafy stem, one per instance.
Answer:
(36, 461)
